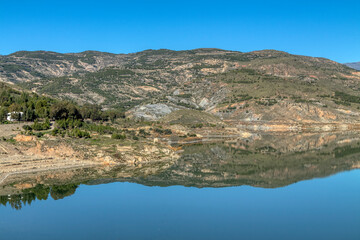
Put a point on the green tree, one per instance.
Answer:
(91, 111)
(64, 110)
(14, 107)
(29, 115)
(3, 113)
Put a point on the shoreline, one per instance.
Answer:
(31, 154)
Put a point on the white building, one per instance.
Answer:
(11, 114)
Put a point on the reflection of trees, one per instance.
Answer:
(345, 151)
(62, 191)
(18, 201)
(39, 192)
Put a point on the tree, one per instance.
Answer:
(64, 110)
(73, 111)
(41, 126)
(91, 111)
(3, 113)
(42, 112)
(14, 107)
(46, 124)
(29, 115)
(112, 115)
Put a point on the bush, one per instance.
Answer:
(198, 125)
(55, 131)
(38, 134)
(143, 133)
(27, 128)
(102, 129)
(77, 133)
(39, 126)
(69, 123)
(118, 136)
(167, 131)
(347, 98)
(163, 131)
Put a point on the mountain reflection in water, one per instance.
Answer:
(267, 161)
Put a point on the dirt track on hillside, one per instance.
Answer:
(7, 130)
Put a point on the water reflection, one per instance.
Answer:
(267, 161)
(270, 161)
(40, 192)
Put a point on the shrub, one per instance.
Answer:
(118, 136)
(40, 126)
(27, 128)
(77, 133)
(347, 97)
(69, 123)
(38, 134)
(198, 125)
(102, 129)
(163, 131)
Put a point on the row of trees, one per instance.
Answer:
(32, 105)
(68, 110)
(35, 107)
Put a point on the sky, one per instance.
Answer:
(329, 29)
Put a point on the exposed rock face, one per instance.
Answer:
(152, 112)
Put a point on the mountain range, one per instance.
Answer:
(355, 65)
(266, 85)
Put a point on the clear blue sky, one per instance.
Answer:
(328, 29)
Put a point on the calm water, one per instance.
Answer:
(293, 195)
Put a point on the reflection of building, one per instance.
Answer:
(14, 116)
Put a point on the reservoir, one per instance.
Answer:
(301, 190)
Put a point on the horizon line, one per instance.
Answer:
(180, 50)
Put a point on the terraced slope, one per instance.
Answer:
(254, 86)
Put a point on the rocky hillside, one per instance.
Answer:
(355, 65)
(264, 85)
